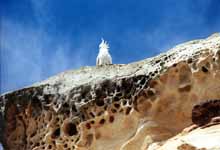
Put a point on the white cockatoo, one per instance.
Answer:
(103, 58)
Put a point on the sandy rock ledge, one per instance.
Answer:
(137, 106)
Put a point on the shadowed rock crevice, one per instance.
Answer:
(204, 112)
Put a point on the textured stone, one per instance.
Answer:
(115, 107)
(198, 139)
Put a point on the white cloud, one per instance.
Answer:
(29, 55)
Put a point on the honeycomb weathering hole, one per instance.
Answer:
(111, 119)
(203, 113)
(100, 103)
(56, 133)
(70, 129)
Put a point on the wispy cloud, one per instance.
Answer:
(24, 57)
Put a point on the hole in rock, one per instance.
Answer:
(111, 119)
(70, 129)
(150, 92)
(65, 145)
(116, 99)
(65, 105)
(38, 144)
(113, 110)
(102, 121)
(88, 126)
(119, 94)
(47, 98)
(92, 114)
(99, 102)
(142, 82)
(124, 102)
(56, 133)
(204, 69)
(190, 60)
(116, 105)
(128, 110)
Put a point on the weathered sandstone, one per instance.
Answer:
(117, 107)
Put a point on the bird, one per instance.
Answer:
(104, 57)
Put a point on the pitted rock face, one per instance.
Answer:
(203, 113)
(114, 107)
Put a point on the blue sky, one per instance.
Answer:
(40, 38)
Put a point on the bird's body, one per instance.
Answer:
(103, 58)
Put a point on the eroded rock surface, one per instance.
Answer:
(116, 107)
(198, 139)
(204, 113)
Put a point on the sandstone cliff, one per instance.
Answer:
(142, 105)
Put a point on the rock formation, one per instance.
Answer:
(119, 107)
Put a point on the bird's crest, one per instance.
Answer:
(103, 45)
